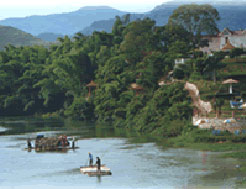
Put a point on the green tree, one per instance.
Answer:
(196, 19)
(212, 63)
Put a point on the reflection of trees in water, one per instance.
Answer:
(99, 178)
(230, 174)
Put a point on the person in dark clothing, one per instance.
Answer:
(90, 159)
(29, 144)
(73, 145)
(98, 162)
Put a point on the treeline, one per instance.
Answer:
(38, 80)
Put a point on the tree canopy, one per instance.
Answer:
(39, 80)
(196, 19)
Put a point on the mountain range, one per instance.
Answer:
(232, 16)
(65, 23)
(89, 19)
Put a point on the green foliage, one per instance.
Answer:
(178, 73)
(196, 18)
(137, 41)
(54, 81)
(13, 36)
(166, 111)
(236, 52)
(80, 109)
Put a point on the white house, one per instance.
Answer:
(179, 61)
(225, 40)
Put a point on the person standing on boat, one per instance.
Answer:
(90, 159)
(29, 144)
(98, 162)
(73, 143)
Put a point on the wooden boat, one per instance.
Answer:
(52, 149)
(93, 170)
(60, 143)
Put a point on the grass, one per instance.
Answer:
(238, 155)
(201, 140)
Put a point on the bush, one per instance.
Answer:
(178, 73)
(196, 76)
(236, 52)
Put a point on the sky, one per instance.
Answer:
(22, 8)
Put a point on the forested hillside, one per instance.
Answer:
(40, 80)
(126, 65)
(10, 35)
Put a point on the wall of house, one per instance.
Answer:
(236, 41)
(216, 43)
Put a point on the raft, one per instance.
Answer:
(93, 170)
(52, 149)
(59, 143)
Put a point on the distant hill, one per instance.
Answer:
(49, 37)
(65, 24)
(11, 35)
(101, 18)
(232, 15)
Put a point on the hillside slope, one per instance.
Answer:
(10, 35)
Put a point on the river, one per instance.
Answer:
(133, 164)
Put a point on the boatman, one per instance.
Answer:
(98, 162)
(91, 159)
(73, 143)
(29, 144)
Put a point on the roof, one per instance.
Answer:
(230, 81)
(91, 84)
(135, 86)
(228, 45)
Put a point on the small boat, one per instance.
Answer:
(93, 170)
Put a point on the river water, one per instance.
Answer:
(133, 164)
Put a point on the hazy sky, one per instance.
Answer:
(21, 8)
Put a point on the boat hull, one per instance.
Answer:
(93, 170)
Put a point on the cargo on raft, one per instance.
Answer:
(92, 170)
(60, 143)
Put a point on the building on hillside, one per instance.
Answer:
(224, 41)
(179, 61)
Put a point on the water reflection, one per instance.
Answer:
(135, 161)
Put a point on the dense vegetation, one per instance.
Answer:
(40, 80)
(52, 81)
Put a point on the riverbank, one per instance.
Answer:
(205, 140)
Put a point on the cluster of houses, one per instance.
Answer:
(224, 41)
